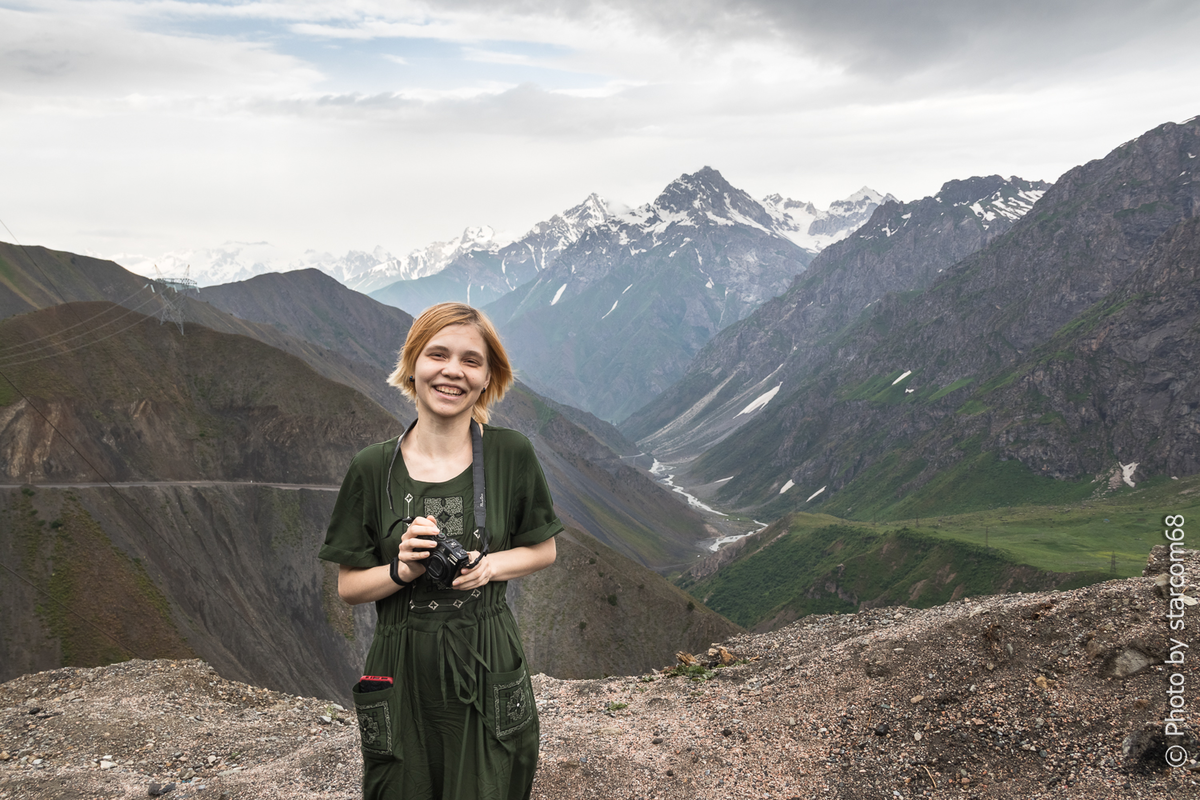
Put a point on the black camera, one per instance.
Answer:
(446, 561)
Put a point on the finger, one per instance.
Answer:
(419, 532)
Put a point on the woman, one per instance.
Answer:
(445, 707)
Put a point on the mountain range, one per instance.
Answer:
(479, 259)
(1058, 349)
(902, 247)
(748, 251)
(477, 269)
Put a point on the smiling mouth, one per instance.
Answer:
(449, 391)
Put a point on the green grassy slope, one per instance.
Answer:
(816, 563)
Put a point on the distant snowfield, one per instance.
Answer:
(558, 294)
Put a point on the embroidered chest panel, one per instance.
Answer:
(448, 511)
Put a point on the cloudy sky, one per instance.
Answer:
(131, 127)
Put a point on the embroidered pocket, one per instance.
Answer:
(509, 704)
(374, 720)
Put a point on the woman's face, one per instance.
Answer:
(451, 372)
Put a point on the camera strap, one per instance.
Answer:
(481, 532)
(480, 493)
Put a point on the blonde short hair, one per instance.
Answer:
(426, 326)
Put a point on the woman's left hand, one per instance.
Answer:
(481, 575)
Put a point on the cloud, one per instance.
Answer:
(325, 123)
(89, 54)
(885, 37)
(958, 41)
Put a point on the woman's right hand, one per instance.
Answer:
(415, 545)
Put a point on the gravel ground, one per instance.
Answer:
(1051, 695)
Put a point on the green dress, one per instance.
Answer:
(459, 723)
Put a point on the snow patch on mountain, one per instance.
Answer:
(760, 402)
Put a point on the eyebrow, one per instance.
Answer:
(432, 347)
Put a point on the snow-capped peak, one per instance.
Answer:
(815, 229)
(865, 193)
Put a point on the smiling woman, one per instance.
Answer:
(445, 706)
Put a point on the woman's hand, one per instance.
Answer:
(507, 565)
(481, 575)
(415, 545)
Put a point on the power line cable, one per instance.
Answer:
(95, 316)
(7, 361)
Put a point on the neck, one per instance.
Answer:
(438, 438)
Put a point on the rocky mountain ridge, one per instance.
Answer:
(477, 270)
(371, 271)
(910, 372)
(903, 247)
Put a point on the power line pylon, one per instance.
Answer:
(172, 291)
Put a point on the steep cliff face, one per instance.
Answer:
(225, 572)
(1118, 382)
